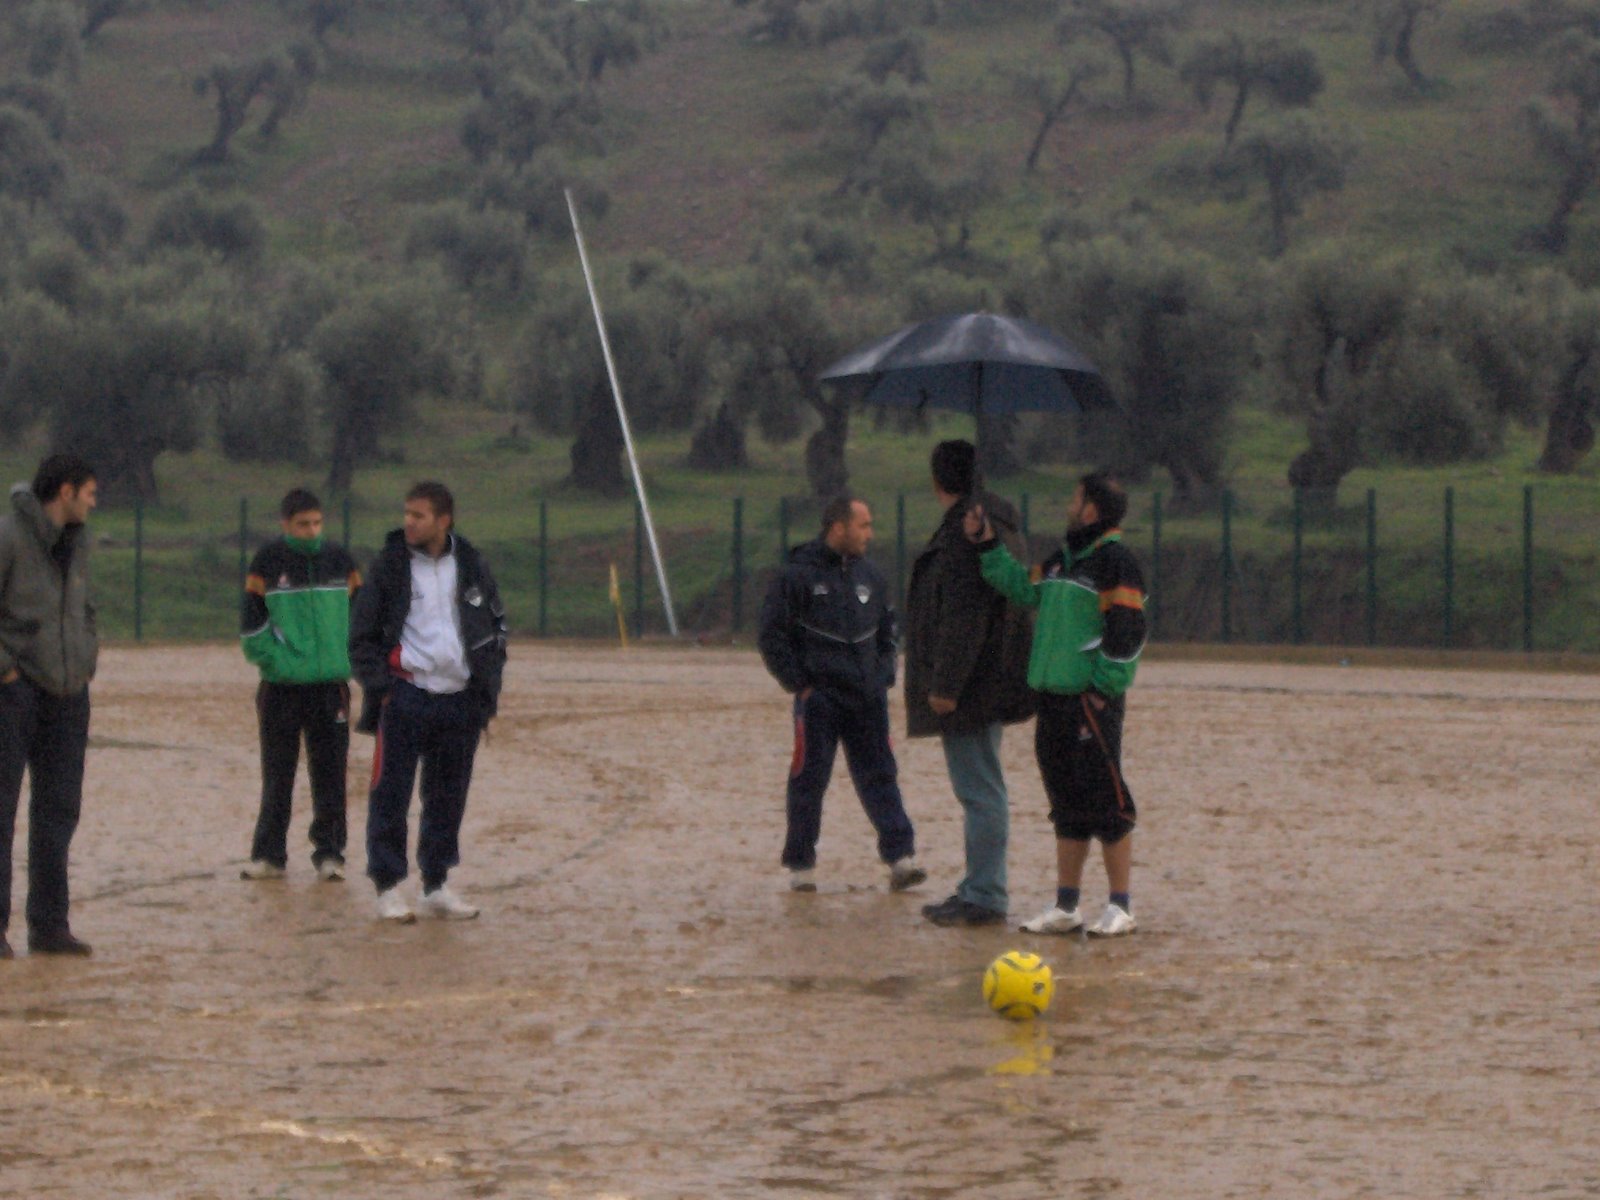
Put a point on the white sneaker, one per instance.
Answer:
(445, 905)
(1055, 920)
(392, 906)
(260, 868)
(330, 870)
(904, 874)
(1114, 922)
(802, 880)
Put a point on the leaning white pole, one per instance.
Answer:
(622, 416)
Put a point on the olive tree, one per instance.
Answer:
(1168, 330)
(1286, 73)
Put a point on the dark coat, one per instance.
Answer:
(963, 639)
(379, 615)
(47, 626)
(827, 622)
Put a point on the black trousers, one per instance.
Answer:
(1079, 748)
(439, 732)
(320, 712)
(48, 736)
(821, 722)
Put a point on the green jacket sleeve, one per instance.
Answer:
(1006, 575)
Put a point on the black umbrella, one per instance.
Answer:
(977, 363)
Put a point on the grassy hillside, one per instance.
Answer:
(705, 155)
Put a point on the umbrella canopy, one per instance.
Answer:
(976, 362)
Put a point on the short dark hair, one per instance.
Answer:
(1105, 491)
(838, 510)
(437, 495)
(297, 501)
(955, 467)
(59, 471)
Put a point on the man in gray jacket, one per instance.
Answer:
(48, 650)
(966, 677)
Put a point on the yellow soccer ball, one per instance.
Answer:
(1018, 985)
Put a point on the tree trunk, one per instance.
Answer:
(1552, 237)
(1237, 115)
(1403, 54)
(1278, 206)
(597, 450)
(1570, 434)
(1125, 52)
(997, 445)
(719, 444)
(825, 465)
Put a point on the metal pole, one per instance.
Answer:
(1155, 561)
(900, 550)
(244, 535)
(1527, 568)
(1372, 566)
(347, 521)
(738, 563)
(1299, 550)
(1025, 521)
(783, 530)
(544, 568)
(1449, 564)
(622, 417)
(138, 570)
(1227, 566)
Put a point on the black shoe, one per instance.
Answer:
(956, 911)
(5, 948)
(949, 904)
(59, 941)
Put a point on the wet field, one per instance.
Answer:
(1367, 966)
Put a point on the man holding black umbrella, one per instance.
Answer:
(966, 677)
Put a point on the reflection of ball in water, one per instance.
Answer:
(1018, 985)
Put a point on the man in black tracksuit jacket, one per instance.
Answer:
(428, 645)
(827, 635)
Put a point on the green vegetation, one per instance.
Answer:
(1312, 245)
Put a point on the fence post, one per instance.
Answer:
(244, 534)
(1297, 563)
(1449, 565)
(1154, 605)
(1527, 568)
(544, 568)
(138, 570)
(900, 550)
(738, 563)
(638, 570)
(1227, 566)
(1372, 566)
(783, 530)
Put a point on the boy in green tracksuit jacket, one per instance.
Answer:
(1087, 639)
(295, 627)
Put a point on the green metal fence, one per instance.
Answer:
(1487, 570)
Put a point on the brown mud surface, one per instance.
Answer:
(1367, 963)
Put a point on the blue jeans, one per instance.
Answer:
(820, 723)
(441, 733)
(973, 760)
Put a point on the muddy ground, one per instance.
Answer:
(1367, 965)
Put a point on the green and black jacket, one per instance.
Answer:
(1091, 626)
(295, 620)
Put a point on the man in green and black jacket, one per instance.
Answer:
(295, 626)
(1087, 639)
